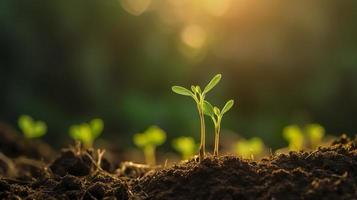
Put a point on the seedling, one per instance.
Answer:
(186, 146)
(315, 134)
(31, 128)
(249, 148)
(199, 97)
(294, 135)
(87, 132)
(148, 141)
(216, 115)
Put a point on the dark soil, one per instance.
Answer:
(12, 144)
(327, 173)
(76, 173)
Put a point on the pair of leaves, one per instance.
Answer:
(185, 145)
(246, 148)
(31, 128)
(87, 132)
(212, 111)
(153, 136)
(183, 91)
(296, 135)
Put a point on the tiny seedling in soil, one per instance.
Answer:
(186, 146)
(148, 141)
(249, 148)
(87, 132)
(315, 134)
(31, 128)
(216, 115)
(199, 97)
(295, 137)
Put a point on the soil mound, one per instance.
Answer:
(74, 174)
(327, 173)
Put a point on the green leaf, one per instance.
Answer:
(185, 145)
(216, 111)
(193, 88)
(83, 133)
(295, 136)
(155, 135)
(74, 132)
(215, 80)
(31, 128)
(39, 129)
(198, 89)
(97, 126)
(140, 140)
(26, 124)
(208, 109)
(227, 107)
(182, 91)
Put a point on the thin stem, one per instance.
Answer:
(217, 129)
(149, 152)
(203, 134)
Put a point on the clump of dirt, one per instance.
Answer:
(327, 173)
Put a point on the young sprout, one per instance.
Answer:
(148, 141)
(186, 146)
(294, 135)
(31, 128)
(199, 97)
(315, 134)
(249, 148)
(87, 132)
(216, 115)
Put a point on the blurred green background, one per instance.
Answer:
(283, 62)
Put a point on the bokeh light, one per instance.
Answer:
(194, 36)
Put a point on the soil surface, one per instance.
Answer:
(76, 173)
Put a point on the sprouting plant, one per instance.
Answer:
(31, 128)
(315, 134)
(87, 132)
(294, 135)
(249, 148)
(185, 145)
(216, 115)
(199, 97)
(148, 141)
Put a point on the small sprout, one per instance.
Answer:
(294, 135)
(315, 134)
(87, 132)
(250, 148)
(199, 97)
(31, 128)
(216, 115)
(148, 141)
(186, 146)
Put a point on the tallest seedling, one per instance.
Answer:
(199, 97)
